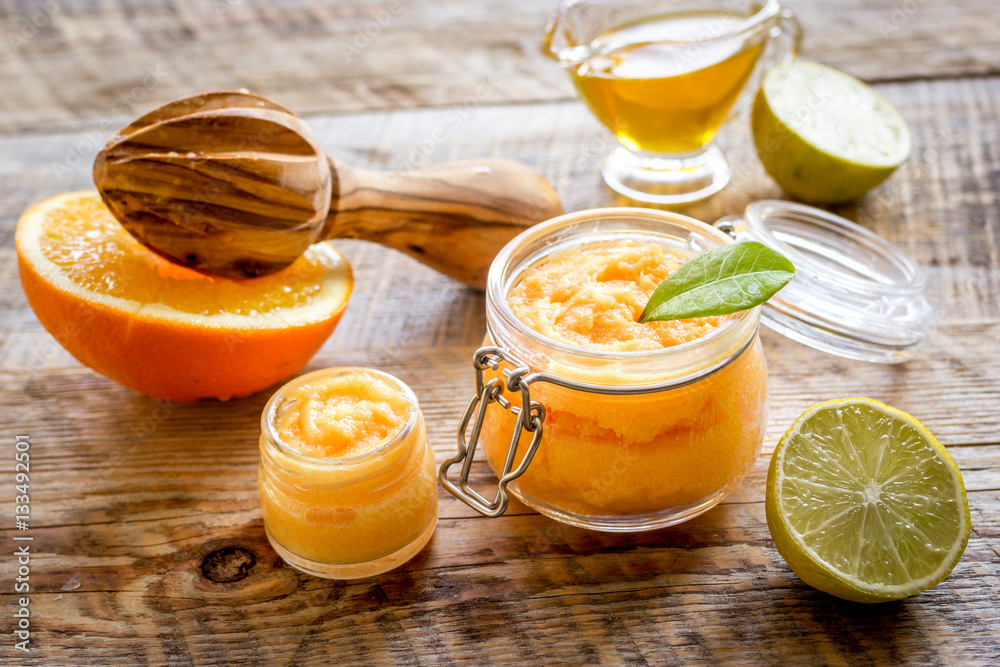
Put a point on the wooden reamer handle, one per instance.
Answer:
(453, 217)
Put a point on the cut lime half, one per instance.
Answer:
(825, 136)
(864, 503)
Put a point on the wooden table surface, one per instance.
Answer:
(148, 546)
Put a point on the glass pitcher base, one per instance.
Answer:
(666, 179)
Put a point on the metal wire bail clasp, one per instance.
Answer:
(487, 393)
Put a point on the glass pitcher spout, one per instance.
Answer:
(560, 43)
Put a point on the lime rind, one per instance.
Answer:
(825, 136)
(860, 499)
(838, 114)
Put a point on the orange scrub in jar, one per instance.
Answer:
(622, 461)
(347, 481)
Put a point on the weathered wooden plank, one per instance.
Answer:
(130, 496)
(83, 63)
(486, 586)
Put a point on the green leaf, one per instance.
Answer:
(723, 280)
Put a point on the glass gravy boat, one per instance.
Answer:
(664, 76)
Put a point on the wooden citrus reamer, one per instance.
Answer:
(236, 185)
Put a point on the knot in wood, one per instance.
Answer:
(227, 565)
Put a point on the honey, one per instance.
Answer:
(659, 87)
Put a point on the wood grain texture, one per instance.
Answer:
(96, 64)
(148, 544)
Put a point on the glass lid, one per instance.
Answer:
(854, 294)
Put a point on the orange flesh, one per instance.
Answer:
(365, 509)
(613, 455)
(94, 251)
(164, 330)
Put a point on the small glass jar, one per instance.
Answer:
(351, 517)
(613, 441)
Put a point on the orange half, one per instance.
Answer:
(164, 330)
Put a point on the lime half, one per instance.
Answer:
(825, 136)
(864, 503)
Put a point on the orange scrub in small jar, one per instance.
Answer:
(347, 481)
(623, 461)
